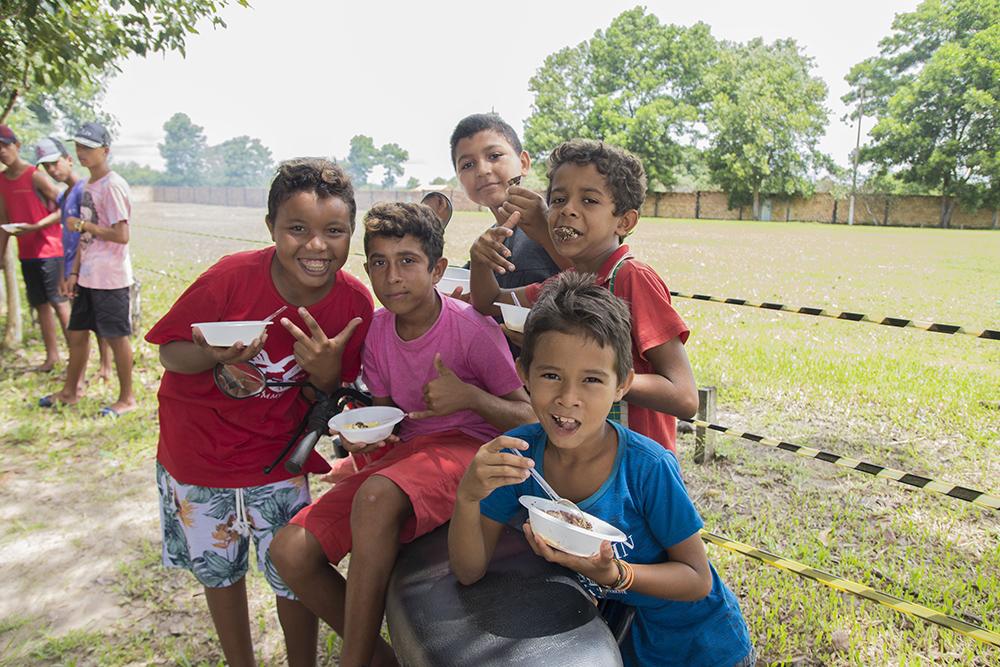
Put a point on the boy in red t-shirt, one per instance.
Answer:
(212, 450)
(595, 192)
(26, 198)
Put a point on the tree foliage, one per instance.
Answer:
(364, 157)
(49, 45)
(239, 162)
(638, 84)
(935, 89)
(765, 121)
(183, 150)
(392, 158)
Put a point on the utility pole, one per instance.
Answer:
(857, 149)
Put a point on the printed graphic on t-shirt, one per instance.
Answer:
(88, 213)
(283, 370)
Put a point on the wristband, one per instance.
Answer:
(79, 226)
(74, 274)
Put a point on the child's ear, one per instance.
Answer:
(625, 386)
(627, 223)
(522, 372)
(525, 163)
(367, 271)
(270, 226)
(438, 269)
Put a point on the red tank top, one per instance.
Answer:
(24, 205)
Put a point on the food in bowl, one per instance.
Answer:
(357, 425)
(367, 425)
(548, 522)
(570, 518)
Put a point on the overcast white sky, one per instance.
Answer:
(304, 76)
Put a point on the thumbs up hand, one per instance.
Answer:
(444, 394)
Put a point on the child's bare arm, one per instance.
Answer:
(534, 220)
(447, 394)
(116, 233)
(197, 356)
(319, 356)
(471, 536)
(671, 387)
(489, 256)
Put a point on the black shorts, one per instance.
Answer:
(41, 280)
(103, 311)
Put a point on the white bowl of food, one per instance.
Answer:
(563, 531)
(514, 317)
(454, 277)
(12, 227)
(367, 425)
(227, 334)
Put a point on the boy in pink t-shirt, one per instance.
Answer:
(450, 369)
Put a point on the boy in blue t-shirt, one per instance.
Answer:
(51, 155)
(576, 361)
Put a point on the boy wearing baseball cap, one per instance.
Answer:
(25, 197)
(101, 273)
(51, 155)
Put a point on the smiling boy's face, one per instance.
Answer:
(400, 274)
(312, 238)
(572, 384)
(484, 163)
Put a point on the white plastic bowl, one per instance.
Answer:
(513, 316)
(564, 536)
(386, 417)
(12, 227)
(454, 277)
(227, 334)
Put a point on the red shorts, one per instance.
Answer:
(427, 468)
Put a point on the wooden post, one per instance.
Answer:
(14, 333)
(704, 439)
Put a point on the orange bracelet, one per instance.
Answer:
(629, 576)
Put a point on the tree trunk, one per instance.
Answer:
(13, 334)
(947, 208)
(756, 202)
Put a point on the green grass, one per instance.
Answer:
(923, 402)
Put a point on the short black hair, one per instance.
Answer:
(480, 122)
(622, 170)
(310, 174)
(573, 303)
(397, 219)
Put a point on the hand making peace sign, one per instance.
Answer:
(318, 355)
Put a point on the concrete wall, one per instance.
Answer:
(904, 211)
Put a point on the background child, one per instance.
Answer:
(212, 449)
(25, 196)
(448, 367)
(575, 363)
(595, 192)
(52, 156)
(487, 155)
(101, 275)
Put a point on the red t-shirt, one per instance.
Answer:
(210, 439)
(654, 322)
(24, 205)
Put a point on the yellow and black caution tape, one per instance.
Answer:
(990, 334)
(848, 586)
(981, 498)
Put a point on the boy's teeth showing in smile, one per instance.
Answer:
(315, 266)
(565, 233)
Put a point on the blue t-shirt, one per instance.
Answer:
(645, 498)
(69, 206)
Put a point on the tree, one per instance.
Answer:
(49, 45)
(183, 150)
(766, 120)
(391, 157)
(362, 158)
(413, 183)
(935, 90)
(637, 84)
(440, 180)
(239, 162)
(140, 174)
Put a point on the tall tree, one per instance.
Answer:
(935, 89)
(183, 150)
(362, 158)
(766, 120)
(637, 84)
(52, 44)
(239, 162)
(391, 157)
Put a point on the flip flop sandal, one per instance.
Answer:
(47, 401)
(108, 411)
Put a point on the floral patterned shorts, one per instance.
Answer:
(208, 531)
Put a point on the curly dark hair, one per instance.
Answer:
(310, 174)
(397, 219)
(623, 171)
(480, 122)
(573, 303)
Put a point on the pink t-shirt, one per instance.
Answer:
(105, 264)
(471, 345)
